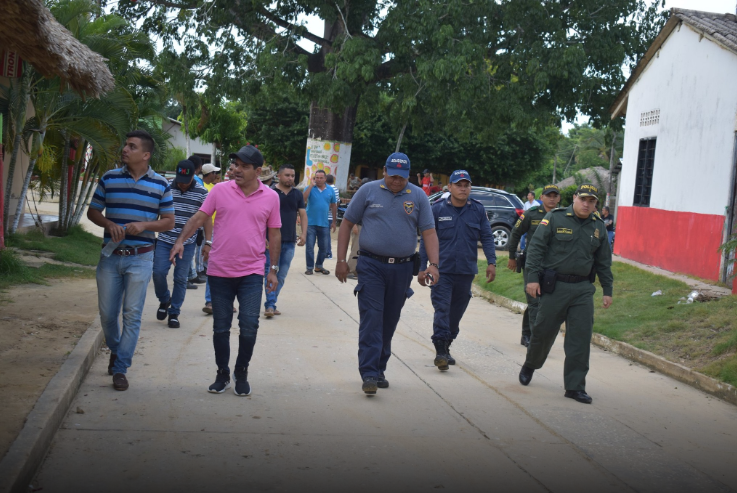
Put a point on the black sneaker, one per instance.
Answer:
(382, 382)
(191, 285)
(110, 364)
(120, 382)
(242, 387)
(173, 321)
(163, 310)
(222, 382)
(370, 385)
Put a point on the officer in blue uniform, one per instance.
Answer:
(391, 211)
(461, 223)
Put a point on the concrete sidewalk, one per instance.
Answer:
(308, 427)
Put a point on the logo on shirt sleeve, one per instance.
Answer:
(544, 222)
(409, 207)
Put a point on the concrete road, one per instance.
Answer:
(308, 427)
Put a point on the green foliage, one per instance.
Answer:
(728, 249)
(566, 195)
(173, 157)
(453, 67)
(77, 246)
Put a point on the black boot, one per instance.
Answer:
(525, 341)
(451, 359)
(110, 364)
(441, 356)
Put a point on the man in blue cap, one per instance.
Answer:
(461, 223)
(391, 211)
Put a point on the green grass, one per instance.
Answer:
(13, 271)
(78, 246)
(702, 336)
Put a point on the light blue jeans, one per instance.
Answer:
(122, 283)
(285, 260)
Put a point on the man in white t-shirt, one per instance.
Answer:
(531, 202)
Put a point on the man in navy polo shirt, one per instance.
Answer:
(461, 224)
(319, 198)
(137, 203)
(391, 210)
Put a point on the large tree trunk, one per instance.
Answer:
(330, 135)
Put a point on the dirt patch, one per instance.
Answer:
(39, 327)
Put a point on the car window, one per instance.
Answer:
(485, 198)
(501, 201)
(516, 202)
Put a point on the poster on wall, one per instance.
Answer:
(330, 156)
(11, 66)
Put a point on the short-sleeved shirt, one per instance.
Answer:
(426, 184)
(126, 200)
(289, 207)
(337, 200)
(390, 221)
(239, 245)
(186, 204)
(318, 205)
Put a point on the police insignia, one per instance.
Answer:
(535, 223)
(544, 222)
(566, 231)
(519, 221)
(596, 233)
(409, 207)
(522, 217)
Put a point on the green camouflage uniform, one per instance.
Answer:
(570, 246)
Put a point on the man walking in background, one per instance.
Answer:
(137, 203)
(291, 204)
(319, 199)
(330, 179)
(188, 197)
(196, 271)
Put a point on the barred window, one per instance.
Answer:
(644, 177)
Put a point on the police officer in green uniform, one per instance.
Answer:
(568, 249)
(528, 223)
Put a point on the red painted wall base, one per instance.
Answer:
(682, 242)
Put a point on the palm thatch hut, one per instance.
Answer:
(29, 29)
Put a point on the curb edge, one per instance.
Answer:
(28, 450)
(678, 372)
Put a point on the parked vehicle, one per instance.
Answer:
(502, 208)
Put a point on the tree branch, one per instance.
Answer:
(176, 5)
(303, 32)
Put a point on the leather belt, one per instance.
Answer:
(129, 251)
(571, 279)
(387, 260)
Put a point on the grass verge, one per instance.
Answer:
(78, 246)
(702, 336)
(13, 271)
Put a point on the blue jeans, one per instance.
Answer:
(181, 273)
(122, 282)
(522, 242)
(330, 243)
(322, 233)
(224, 290)
(285, 260)
(610, 235)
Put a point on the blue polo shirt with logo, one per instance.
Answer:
(390, 221)
(318, 205)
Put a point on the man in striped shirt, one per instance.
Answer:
(188, 197)
(330, 179)
(137, 203)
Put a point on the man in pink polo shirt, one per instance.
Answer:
(245, 209)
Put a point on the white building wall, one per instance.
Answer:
(178, 139)
(692, 83)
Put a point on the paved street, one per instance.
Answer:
(308, 427)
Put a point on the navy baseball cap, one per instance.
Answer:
(185, 172)
(249, 155)
(458, 175)
(397, 164)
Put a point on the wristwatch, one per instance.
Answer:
(435, 265)
(275, 268)
(208, 242)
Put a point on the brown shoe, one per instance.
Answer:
(113, 357)
(120, 382)
(207, 308)
(322, 271)
(269, 312)
(276, 312)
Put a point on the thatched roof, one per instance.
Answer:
(29, 29)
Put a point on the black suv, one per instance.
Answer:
(502, 208)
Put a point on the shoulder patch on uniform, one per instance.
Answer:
(519, 221)
(522, 217)
(544, 222)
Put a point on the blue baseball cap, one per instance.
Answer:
(460, 174)
(397, 164)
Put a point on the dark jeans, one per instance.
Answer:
(224, 290)
(181, 271)
(285, 260)
(322, 234)
(450, 297)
